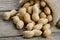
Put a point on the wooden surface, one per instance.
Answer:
(8, 4)
(8, 30)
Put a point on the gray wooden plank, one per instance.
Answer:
(54, 36)
(8, 4)
(7, 28)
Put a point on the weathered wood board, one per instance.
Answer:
(8, 29)
(8, 4)
(54, 36)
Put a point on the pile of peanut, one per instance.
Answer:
(35, 16)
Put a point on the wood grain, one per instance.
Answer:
(7, 28)
(54, 36)
(8, 4)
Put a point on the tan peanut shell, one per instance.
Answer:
(6, 16)
(58, 24)
(35, 15)
(42, 15)
(43, 21)
(28, 34)
(15, 19)
(26, 5)
(47, 10)
(49, 17)
(21, 11)
(46, 26)
(31, 2)
(30, 10)
(37, 32)
(43, 3)
(38, 26)
(27, 18)
(13, 12)
(30, 26)
(47, 33)
(20, 24)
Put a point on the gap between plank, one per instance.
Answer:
(7, 10)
